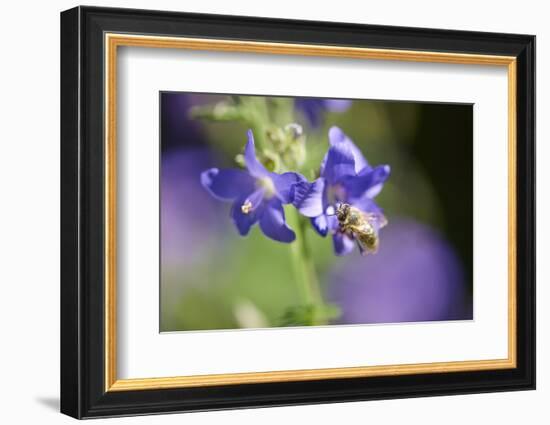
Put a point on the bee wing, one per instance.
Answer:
(376, 218)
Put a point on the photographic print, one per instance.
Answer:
(294, 211)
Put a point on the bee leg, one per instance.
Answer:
(362, 250)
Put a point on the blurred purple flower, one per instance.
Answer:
(416, 276)
(178, 130)
(257, 194)
(345, 177)
(314, 108)
(185, 224)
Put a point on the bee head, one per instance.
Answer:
(342, 211)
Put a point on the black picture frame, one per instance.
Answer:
(83, 392)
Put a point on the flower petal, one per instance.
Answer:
(374, 190)
(342, 243)
(227, 184)
(284, 185)
(338, 164)
(320, 224)
(337, 105)
(308, 197)
(312, 109)
(255, 167)
(367, 182)
(366, 204)
(332, 221)
(247, 210)
(337, 137)
(256, 198)
(272, 223)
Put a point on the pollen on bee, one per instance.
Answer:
(246, 207)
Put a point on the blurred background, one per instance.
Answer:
(211, 278)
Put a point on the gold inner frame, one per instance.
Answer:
(113, 41)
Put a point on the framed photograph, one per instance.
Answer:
(261, 212)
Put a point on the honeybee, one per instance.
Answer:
(362, 226)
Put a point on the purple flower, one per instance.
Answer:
(257, 194)
(345, 177)
(314, 108)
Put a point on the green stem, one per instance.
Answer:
(255, 112)
(304, 268)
